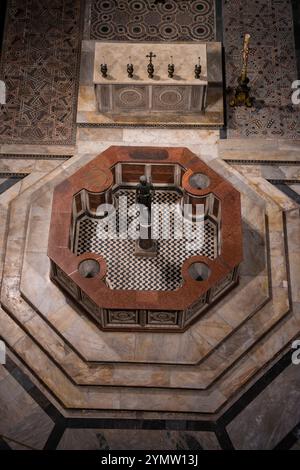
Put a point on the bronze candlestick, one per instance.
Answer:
(198, 69)
(171, 68)
(242, 92)
(103, 69)
(130, 69)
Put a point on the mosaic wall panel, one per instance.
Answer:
(40, 65)
(146, 20)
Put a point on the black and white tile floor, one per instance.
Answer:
(125, 270)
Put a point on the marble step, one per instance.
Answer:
(49, 150)
(188, 401)
(252, 155)
(30, 321)
(263, 144)
(232, 339)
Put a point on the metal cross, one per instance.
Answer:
(150, 56)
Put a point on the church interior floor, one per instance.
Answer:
(240, 389)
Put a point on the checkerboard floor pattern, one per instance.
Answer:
(125, 270)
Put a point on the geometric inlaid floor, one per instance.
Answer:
(40, 61)
(272, 67)
(163, 272)
(147, 20)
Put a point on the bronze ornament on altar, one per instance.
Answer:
(150, 66)
(198, 69)
(130, 69)
(103, 69)
(171, 68)
(242, 93)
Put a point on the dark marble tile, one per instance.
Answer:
(271, 415)
(97, 439)
(5, 184)
(21, 419)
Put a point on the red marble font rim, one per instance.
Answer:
(97, 177)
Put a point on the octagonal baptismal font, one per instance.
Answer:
(195, 223)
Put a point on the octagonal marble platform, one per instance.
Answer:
(201, 371)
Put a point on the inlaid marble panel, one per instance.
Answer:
(40, 66)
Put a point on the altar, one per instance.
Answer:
(151, 84)
(137, 92)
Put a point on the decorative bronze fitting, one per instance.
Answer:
(103, 69)
(198, 69)
(171, 68)
(130, 70)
